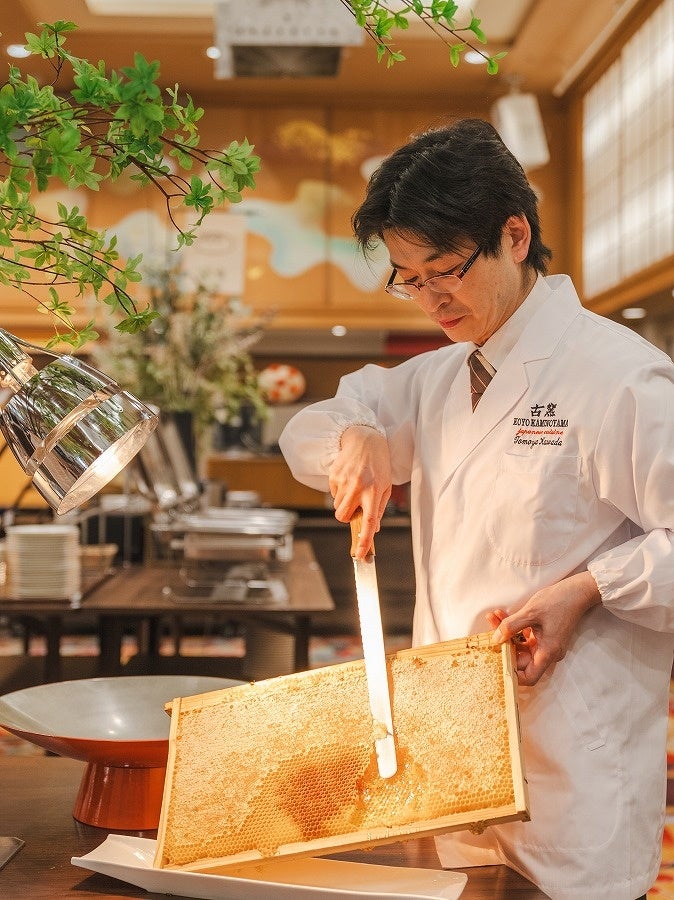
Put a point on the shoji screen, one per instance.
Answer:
(628, 158)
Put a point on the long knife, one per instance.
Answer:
(374, 654)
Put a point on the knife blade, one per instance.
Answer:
(374, 654)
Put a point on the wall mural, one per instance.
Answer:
(287, 249)
(297, 237)
(296, 230)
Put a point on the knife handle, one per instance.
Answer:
(356, 524)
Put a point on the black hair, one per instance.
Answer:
(450, 186)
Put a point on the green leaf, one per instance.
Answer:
(450, 11)
(137, 322)
(477, 31)
(43, 44)
(75, 339)
(186, 238)
(455, 52)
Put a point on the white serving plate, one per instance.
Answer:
(130, 859)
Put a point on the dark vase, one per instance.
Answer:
(184, 421)
(241, 431)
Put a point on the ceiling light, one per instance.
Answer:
(517, 118)
(634, 312)
(474, 57)
(213, 53)
(18, 51)
(338, 330)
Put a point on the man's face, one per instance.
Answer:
(490, 292)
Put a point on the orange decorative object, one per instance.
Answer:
(281, 383)
(120, 798)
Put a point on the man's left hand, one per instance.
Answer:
(542, 629)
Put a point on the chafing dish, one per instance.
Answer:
(220, 547)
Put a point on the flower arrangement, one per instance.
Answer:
(194, 357)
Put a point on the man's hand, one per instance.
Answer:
(360, 476)
(542, 629)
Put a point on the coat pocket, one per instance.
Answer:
(533, 507)
(576, 778)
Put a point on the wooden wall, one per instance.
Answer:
(300, 260)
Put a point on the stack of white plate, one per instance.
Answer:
(43, 562)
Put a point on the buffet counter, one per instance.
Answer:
(277, 633)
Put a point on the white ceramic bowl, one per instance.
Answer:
(119, 727)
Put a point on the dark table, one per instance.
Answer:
(36, 799)
(138, 594)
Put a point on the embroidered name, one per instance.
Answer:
(541, 423)
(541, 428)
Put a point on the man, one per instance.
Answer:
(542, 501)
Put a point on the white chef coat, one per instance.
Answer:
(567, 464)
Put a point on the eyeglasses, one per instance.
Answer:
(439, 284)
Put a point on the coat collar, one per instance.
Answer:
(536, 344)
(500, 345)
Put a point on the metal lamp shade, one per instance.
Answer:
(72, 430)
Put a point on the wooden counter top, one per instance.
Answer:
(36, 800)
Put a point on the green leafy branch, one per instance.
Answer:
(111, 122)
(380, 21)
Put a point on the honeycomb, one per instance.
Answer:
(288, 767)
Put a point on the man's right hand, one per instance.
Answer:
(360, 476)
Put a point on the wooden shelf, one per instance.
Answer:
(268, 475)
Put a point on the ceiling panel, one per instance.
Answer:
(543, 48)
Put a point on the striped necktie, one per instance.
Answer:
(481, 373)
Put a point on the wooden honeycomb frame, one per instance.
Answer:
(286, 767)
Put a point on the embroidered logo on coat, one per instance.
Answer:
(543, 427)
